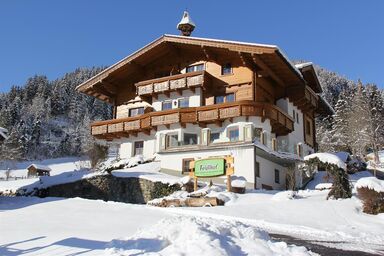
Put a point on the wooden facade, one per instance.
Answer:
(259, 76)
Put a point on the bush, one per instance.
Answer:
(373, 201)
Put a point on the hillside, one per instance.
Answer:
(49, 119)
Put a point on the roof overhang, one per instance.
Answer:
(309, 74)
(105, 84)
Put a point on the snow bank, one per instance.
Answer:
(370, 182)
(187, 235)
(284, 195)
(328, 158)
(148, 171)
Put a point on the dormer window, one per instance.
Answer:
(194, 68)
(226, 69)
(136, 111)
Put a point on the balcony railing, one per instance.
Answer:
(171, 83)
(281, 123)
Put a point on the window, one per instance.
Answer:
(184, 103)
(194, 68)
(258, 132)
(230, 97)
(307, 127)
(257, 169)
(226, 69)
(172, 140)
(166, 105)
(227, 98)
(190, 139)
(136, 111)
(233, 134)
(297, 117)
(293, 114)
(186, 162)
(138, 148)
(214, 136)
(277, 176)
(219, 99)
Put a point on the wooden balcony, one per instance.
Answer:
(172, 83)
(281, 122)
(305, 100)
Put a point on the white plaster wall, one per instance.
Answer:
(297, 135)
(194, 98)
(267, 174)
(126, 145)
(243, 159)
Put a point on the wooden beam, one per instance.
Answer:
(259, 62)
(102, 90)
(208, 54)
(112, 88)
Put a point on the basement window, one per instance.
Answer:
(190, 139)
(214, 136)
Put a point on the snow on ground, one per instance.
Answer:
(328, 158)
(188, 235)
(322, 181)
(148, 171)
(58, 165)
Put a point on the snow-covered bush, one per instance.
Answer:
(125, 163)
(371, 191)
(336, 169)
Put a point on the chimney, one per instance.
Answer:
(186, 25)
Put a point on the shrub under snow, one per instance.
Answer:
(371, 192)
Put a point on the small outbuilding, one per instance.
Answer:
(38, 170)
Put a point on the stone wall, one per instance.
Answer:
(111, 188)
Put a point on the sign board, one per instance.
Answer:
(210, 167)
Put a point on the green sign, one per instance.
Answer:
(209, 167)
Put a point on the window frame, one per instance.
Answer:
(184, 162)
(226, 69)
(234, 128)
(135, 148)
(130, 111)
(195, 68)
(277, 176)
(210, 136)
(188, 133)
(167, 140)
(166, 102)
(183, 99)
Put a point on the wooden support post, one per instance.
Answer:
(229, 183)
(195, 183)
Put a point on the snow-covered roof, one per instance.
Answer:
(3, 133)
(282, 155)
(328, 158)
(186, 20)
(303, 65)
(342, 155)
(40, 167)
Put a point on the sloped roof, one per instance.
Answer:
(310, 75)
(271, 55)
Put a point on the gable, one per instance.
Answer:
(169, 51)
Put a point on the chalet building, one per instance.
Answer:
(182, 98)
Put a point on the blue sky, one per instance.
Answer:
(55, 37)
